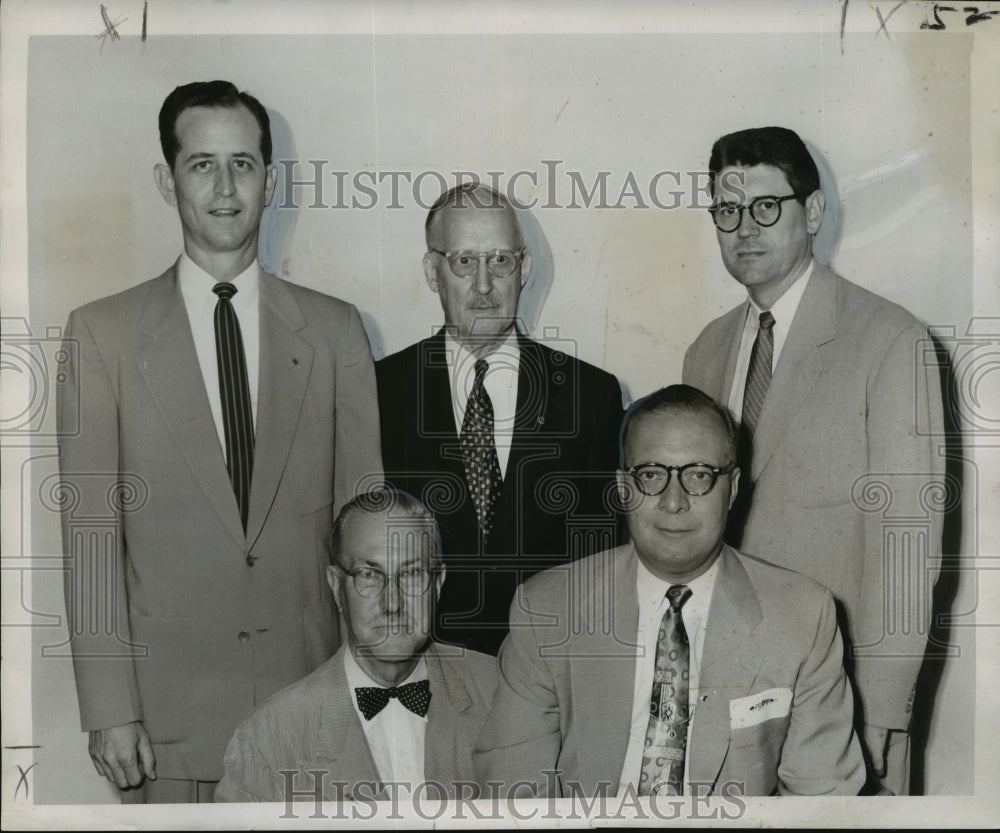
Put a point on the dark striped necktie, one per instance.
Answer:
(759, 373)
(234, 387)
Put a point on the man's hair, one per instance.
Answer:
(401, 507)
(208, 94)
(777, 146)
(468, 194)
(686, 399)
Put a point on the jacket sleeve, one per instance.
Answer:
(904, 496)
(520, 739)
(96, 595)
(821, 754)
(358, 460)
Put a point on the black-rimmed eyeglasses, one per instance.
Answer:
(411, 581)
(500, 263)
(697, 479)
(766, 211)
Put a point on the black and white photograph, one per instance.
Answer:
(499, 414)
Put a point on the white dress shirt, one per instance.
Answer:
(783, 310)
(500, 384)
(200, 301)
(652, 596)
(395, 735)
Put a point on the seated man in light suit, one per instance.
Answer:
(390, 705)
(673, 664)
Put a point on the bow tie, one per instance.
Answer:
(414, 696)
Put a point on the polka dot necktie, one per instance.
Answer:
(479, 450)
(666, 734)
(234, 388)
(414, 696)
(759, 373)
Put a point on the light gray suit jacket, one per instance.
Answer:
(177, 617)
(312, 731)
(847, 481)
(774, 712)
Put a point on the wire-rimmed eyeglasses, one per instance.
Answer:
(500, 263)
(411, 581)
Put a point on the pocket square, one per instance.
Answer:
(764, 705)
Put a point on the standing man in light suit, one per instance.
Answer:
(245, 408)
(830, 383)
(672, 665)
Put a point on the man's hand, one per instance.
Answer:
(876, 740)
(123, 754)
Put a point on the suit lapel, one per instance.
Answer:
(729, 664)
(341, 738)
(603, 691)
(799, 366)
(285, 365)
(448, 727)
(169, 365)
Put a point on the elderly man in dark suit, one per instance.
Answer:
(242, 409)
(512, 444)
(837, 403)
(391, 706)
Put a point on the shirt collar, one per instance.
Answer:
(196, 283)
(652, 589)
(784, 308)
(357, 678)
(459, 356)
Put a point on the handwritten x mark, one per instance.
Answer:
(23, 779)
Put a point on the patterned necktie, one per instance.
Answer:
(666, 734)
(234, 387)
(414, 696)
(759, 373)
(479, 450)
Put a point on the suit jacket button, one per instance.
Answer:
(250, 560)
(244, 636)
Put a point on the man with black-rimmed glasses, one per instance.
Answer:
(392, 714)
(673, 665)
(839, 396)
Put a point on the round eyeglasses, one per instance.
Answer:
(766, 211)
(500, 263)
(411, 581)
(697, 479)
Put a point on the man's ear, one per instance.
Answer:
(734, 486)
(627, 491)
(439, 580)
(269, 183)
(815, 204)
(333, 579)
(430, 271)
(165, 183)
(525, 267)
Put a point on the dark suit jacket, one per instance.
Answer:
(178, 618)
(312, 726)
(846, 483)
(774, 712)
(554, 502)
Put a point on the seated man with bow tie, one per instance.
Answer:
(391, 705)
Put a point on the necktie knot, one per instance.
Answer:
(766, 320)
(677, 595)
(224, 290)
(481, 367)
(415, 697)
